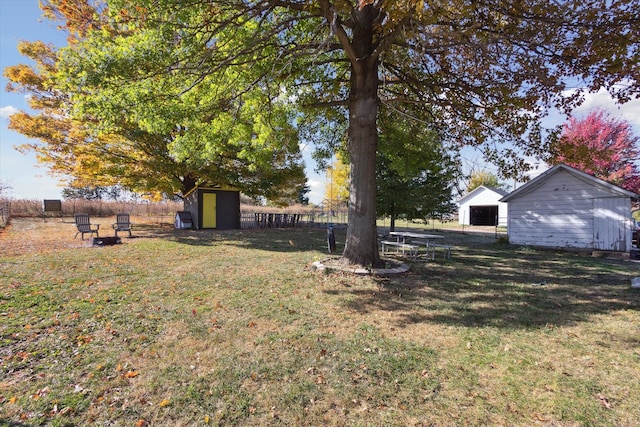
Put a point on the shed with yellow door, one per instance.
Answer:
(213, 208)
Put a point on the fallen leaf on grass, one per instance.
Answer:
(22, 355)
(40, 393)
(165, 402)
(214, 325)
(131, 374)
(83, 339)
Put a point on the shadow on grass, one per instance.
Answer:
(276, 239)
(268, 239)
(504, 287)
(485, 283)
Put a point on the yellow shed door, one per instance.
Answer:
(209, 210)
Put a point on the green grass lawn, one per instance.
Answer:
(187, 328)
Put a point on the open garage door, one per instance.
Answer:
(483, 215)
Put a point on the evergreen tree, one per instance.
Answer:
(413, 180)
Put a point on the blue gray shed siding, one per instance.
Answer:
(227, 207)
(191, 205)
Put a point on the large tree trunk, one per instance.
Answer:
(361, 246)
(188, 182)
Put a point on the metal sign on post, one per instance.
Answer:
(53, 207)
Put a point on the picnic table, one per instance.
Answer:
(412, 241)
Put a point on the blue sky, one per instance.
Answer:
(22, 20)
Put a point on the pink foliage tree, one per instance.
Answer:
(601, 146)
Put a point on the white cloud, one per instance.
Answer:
(8, 110)
(629, 111)
(316, 195)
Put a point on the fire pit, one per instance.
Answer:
(105, 241)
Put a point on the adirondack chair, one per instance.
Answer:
(83, 224)
(122, 223)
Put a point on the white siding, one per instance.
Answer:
(612, 225)
(482, 197)
(463, 214)
(557, 213)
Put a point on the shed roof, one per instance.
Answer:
(590, 179)
(206, 186)
(499, 192)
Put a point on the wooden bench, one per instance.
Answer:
(412, 249)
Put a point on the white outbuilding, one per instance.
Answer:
(482, 206)
(566, 208)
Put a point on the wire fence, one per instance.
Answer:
(283, 220)
(164, 212)
(320, 216)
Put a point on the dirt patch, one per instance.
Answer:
(35, 235)
(28, 235)
(391, 267)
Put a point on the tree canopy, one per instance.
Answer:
(106, 127)
(92, 193)
(602, 146)
(485, 72)
(483, 177)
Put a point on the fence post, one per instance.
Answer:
(4, 214)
